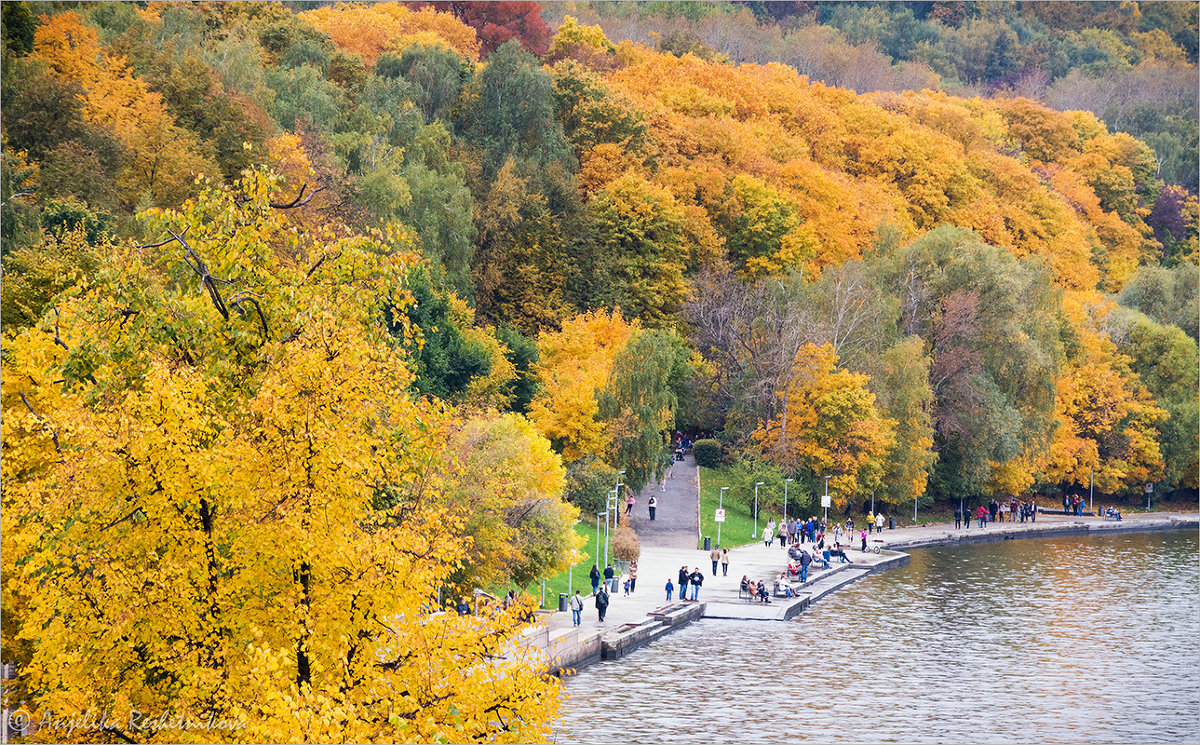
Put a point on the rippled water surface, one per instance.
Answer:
(1066, 640)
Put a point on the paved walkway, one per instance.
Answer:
(674, 525)
(660, 562)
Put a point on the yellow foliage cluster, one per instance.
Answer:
(229, 506)
(1027, 178)
(573, 365)
(369, 29)
(163, 160)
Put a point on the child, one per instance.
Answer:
(625, 584)
(670, 589)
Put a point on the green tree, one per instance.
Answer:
(639, 402)
(1164, 358)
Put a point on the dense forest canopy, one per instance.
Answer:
(317, 309)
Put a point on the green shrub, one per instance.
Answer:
(708, 453)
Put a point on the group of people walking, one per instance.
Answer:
(1012, 510)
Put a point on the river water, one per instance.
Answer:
(1060, 640)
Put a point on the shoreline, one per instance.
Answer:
(567, 650)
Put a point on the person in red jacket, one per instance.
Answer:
(982, 513)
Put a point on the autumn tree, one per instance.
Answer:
(639, 402)
(227, 502)
(829, 426)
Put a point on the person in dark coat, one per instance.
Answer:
(697, 579)
(684, 579)
(805, 560)
(602, 602)
(957, 517)
(595, 575)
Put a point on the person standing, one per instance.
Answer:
(629, 500)
(982, 513)
(683, 583)
(632, 577)
(653, 505)
(863, 536)
(870, 522)
(958, 517)
(697, 579)
(837, 535)
(805, 560)
(768, 534)
(715, 555)
(670, 589)
(1033, 510)
(602, 602)
(724, 562)
(608, 578)
(576, 606)
(879, 523)
(782, 534)
(1065, 503)
(595, 575)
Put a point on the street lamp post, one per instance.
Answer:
(756, 485)
(596, 556)
(826, 500)
(720, 506)
(785, 483)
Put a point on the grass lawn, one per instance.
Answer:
(738, 527)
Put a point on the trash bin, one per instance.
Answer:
(891, 523)
(707, 543)
(615, 585)
(562, 602)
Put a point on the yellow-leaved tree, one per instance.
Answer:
(223, 509)
(573, 365)
(829, 426)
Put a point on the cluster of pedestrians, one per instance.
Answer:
(1013, 510)
(693, 579)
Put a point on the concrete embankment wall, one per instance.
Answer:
(574, 649)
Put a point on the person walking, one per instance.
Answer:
(629, 500)
(805, 560)
(670, 589)
(595, 575)
(958, 517)
(768, 534)
(724, 562)
(602, 602)
(715, 555)
(863, 536)
(653, 505)
(1033, 510)
(608, 579)
(782, 534)
(697, 579)
(683, 583)
(576, 606)
(632, 577)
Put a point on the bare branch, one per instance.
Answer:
(296, 202)
(53, 432)
(246, 296)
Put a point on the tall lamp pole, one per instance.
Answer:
(785, 483)
(826, 500)
(720, 506)
(617, 498)
(604, 514)
(756, 485)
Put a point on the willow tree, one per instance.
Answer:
(639, 403)
(223, 502)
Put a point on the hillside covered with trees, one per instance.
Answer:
(322, 315)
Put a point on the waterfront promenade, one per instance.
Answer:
(667, 544)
